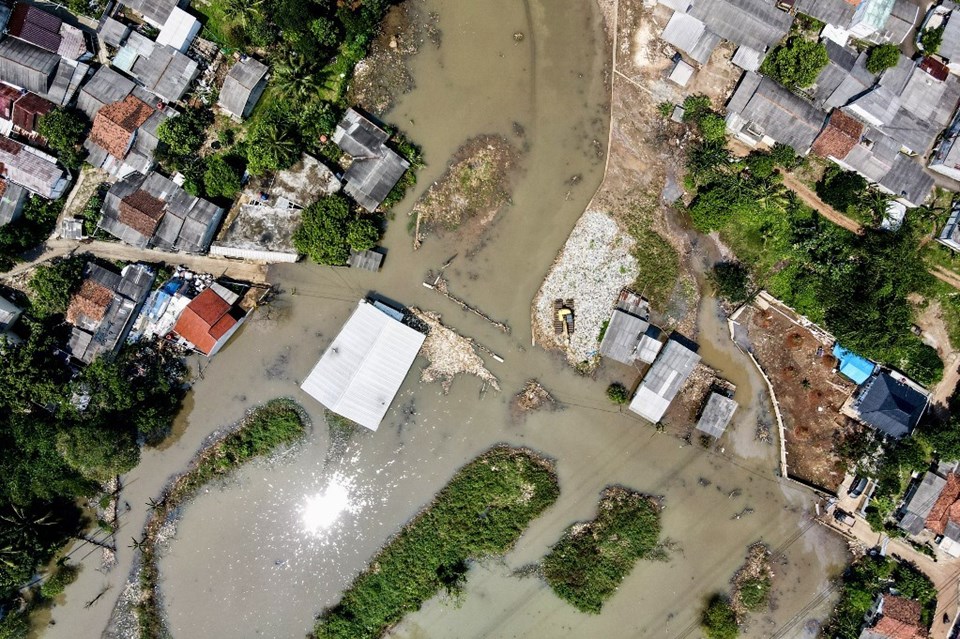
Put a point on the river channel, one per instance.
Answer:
(245, 563)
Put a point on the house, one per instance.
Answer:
(946, 159)
(763, 112)
(629, 336)
(179, 31)
(854, 367)
(124, 136)
(369, 260)
(374, 168)
(950, 47)
(262, 228)
(873, 20)
(156, 12)
(32, 169)
(716, 415)
(890, 403)
(664, 380)
(681, 73)
(112, 32)
(13, 197)
(875, 156)
(151, 211)
(103, 310)
(160, 68)
(950, 235)
(9, 314)
(943, 518)
(363, 368)
(104, 87)
(698, 26)
(919, 502)
(210, 319)
(45, 73)
(47, 31)
(896, 618)
(243, 87)
(845, 77)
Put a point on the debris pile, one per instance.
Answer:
(449, 354)
(533, 396)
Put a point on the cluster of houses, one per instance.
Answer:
(894, 617)
(895, 129)
(151, 61)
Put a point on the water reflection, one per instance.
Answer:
(323, 509)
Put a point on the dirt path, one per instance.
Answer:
(935, 334)
(810, 198)
(256, 273)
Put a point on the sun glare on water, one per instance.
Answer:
(323, 509)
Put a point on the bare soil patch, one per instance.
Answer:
(810, 394)
(472, 191)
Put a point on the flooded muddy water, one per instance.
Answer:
(262, 555)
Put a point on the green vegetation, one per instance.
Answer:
(279, 422)
(33, 227)
(755, 593)
(796, 63)
(273, 142)
(587, 565)
(698, 110)
(719, 621)
(864, 580)
(658, 263)
(55, 584)
(91, 210)
(480, 513)
(329, 229)
(618, 393)
(732, 281)
(851, 194)
(857, 286)
(221, 178)
(181, 138)
(931, 39)
(882, 57)
(55, 283)
(64, 130)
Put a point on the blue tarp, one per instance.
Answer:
(857, 368)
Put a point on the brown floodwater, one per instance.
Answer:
(246, 563)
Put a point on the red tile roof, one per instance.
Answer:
(205, 320)
(141, 212)
(838, 138)
(940, 513)
(893, 629)
(91, 301)
(115, 124)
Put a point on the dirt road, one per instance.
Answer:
(245, 271)
(810, 198)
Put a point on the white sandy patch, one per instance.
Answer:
(592, 268)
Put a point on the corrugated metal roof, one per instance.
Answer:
(758, 25)
(747, 59)
(950, 47)
(155, 11)
(921, 502)
(622, 337)
(365, 260)
(890, 405)
(243, 86)
(716, 415)
(777, 112)
(664, 380)
(113, 32)
(363, 368)
(179, 30)
(375, 168)
(106, 86)
(26, 65)
(32, 169)
(11, 202)
(836, 12)
(691, 36)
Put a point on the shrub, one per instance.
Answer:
(882, 57)
(184, 134)
(618, 393)
(695, 107)
(55, 283)
(62, 577)
(329, 229)
(732, 280)
(931, 39)
(719, 621)
(665, 109)
(796, 63)
(754, 593)
(64, 130)
(713, 127)
(221, 179)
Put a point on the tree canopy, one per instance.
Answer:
(931, 39)
(329, 229)
(221, 178)
(64, 131)
(55, 283)
(796, 63)
(882, 57)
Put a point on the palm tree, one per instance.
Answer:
(26, 526)
(299, 78)
(138, 544)
(243, 12)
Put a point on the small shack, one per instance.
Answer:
(243, 87)
(365, 260)
(681, 74)
(363, 368)
(716, 415)
(629, 335)
(854, 367)
(664, 380)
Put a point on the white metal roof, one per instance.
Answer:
(179, 30)
(362, 370)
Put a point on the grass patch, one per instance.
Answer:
(587, 565)
(657, 261)
(277, 423)
(481, 512)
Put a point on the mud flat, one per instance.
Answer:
(472, 191)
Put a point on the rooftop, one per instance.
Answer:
(206, 320)
(375, 168)
(838, 138)
(240, 86)
(761, 104)
(363, 368)
(35, 26)
(854, 367)
(115, 124)
(622, 336)
(716, 415)
(155, 11)
(304, 182)
(691, 36)
(664, 380)
(890, 404)
(921, 502)
(32, 169)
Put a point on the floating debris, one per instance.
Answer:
(450, 353)
(532, 397)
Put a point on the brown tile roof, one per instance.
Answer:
(838, 138)
(3, 187)
(9, 146)
(893, 629)
(90, 301)
(205, 320)
(141, 212)
(940, 513)
(115, 123)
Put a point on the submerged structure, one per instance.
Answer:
(664, 380)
